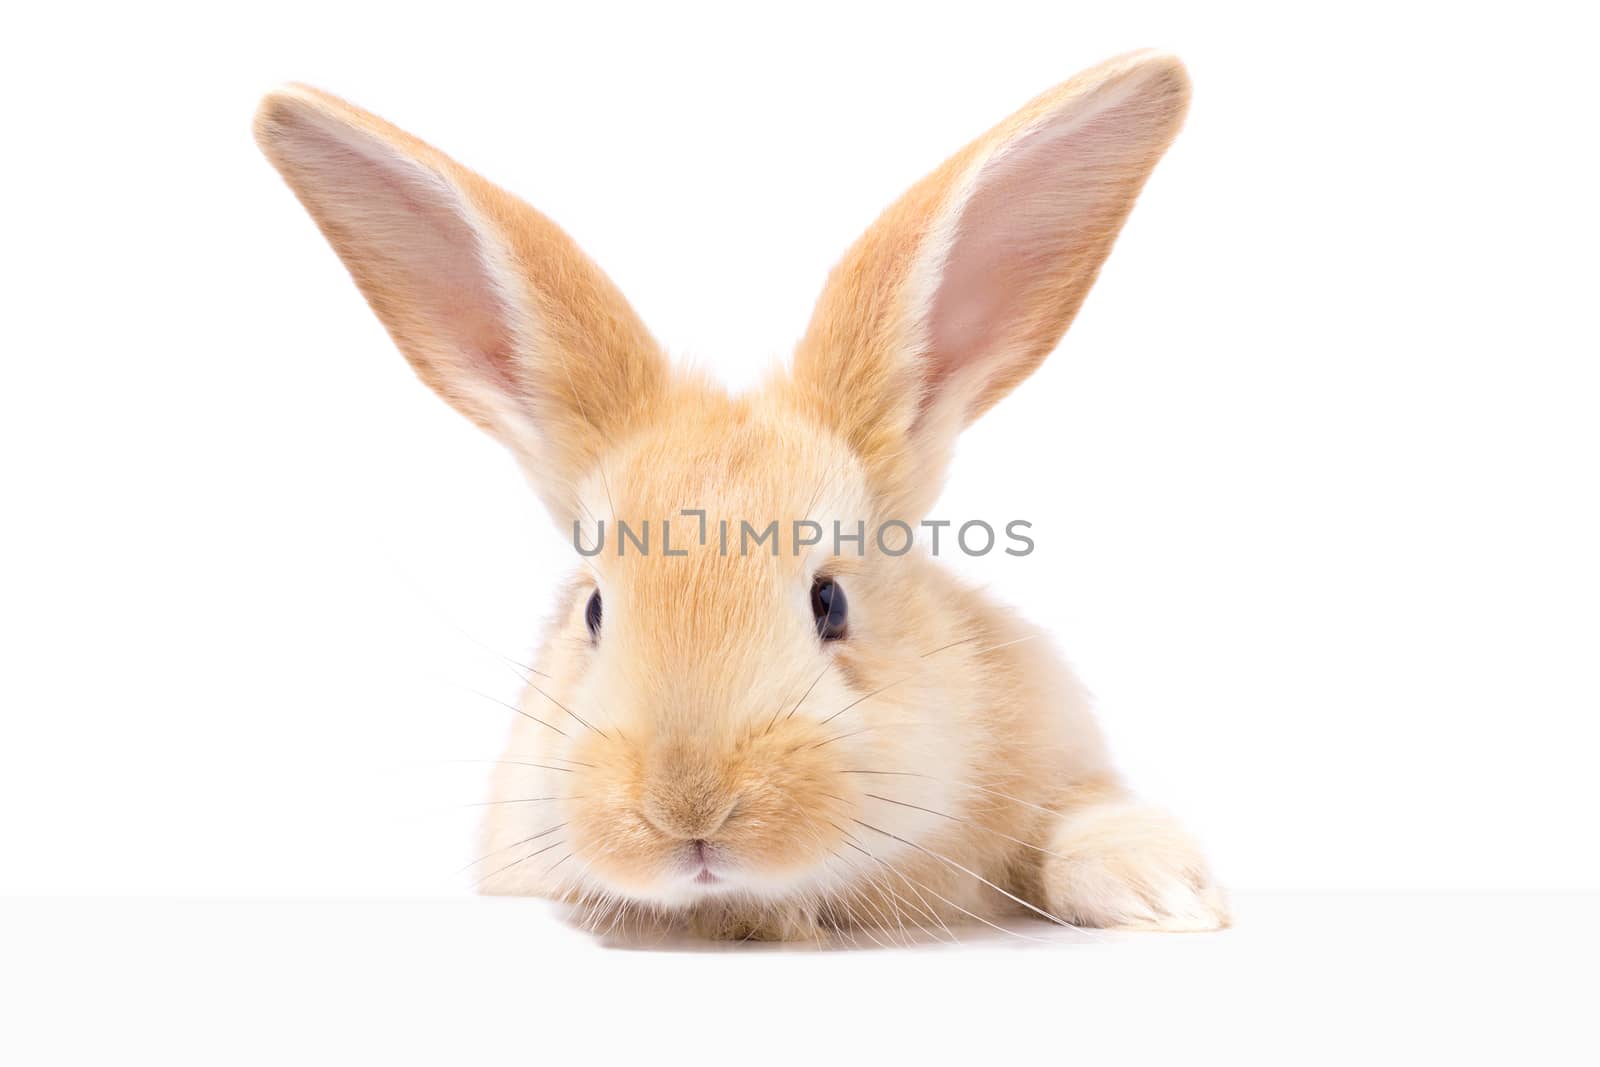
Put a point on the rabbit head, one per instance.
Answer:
(718, 677)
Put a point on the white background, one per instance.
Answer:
(1313, 476)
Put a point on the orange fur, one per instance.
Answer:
(937, 764)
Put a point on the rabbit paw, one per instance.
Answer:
(720, 923)
(1120, 864)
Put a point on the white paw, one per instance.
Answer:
(1123, 865)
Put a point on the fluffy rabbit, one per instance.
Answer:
(806, 737)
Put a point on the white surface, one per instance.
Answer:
(1313, 978)
(1319, 519)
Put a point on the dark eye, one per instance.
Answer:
(591, 615)
(830, 608)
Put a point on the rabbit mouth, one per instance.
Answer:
(702, 856)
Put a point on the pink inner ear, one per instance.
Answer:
(1027, 246)
(401, 230)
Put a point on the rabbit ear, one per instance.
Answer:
(964, 285)
(494, 306)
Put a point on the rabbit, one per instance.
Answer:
(820, 736)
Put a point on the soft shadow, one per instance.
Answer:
(1022, 932)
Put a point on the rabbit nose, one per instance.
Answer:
(688, 807)
(686, 816)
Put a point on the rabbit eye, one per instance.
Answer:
(591, 615)
(829, 606)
